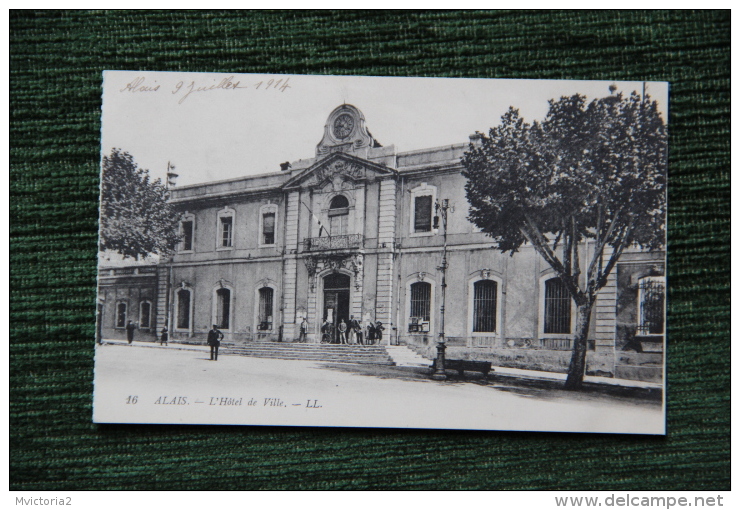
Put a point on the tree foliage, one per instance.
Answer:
(136, 219)
(589, 171)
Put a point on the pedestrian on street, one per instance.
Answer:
(214, 340)
(342, 332)
(165, 336)
(130, 328)
(304, 331)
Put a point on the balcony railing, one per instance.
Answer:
(333, 242)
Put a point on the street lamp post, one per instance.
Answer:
(442, 208)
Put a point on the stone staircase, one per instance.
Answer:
(402, 356)
(371, 354)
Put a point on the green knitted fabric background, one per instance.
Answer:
(56, 60)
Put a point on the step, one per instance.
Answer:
(356, 352)
(296, 345)
(326, 359)
(402, 356)
(295, 354)
(312, 352)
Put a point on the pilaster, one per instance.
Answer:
(163, 274)
(386, 240)
(605, 311)
(290, 265)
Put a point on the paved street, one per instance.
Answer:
(137, 384)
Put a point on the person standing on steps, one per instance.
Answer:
(130, 328)
(356, 330)
(379, 331)
(370, 333)
(325, 332)
(351, 338)
(165, 336)
(342, 332)
(304, 331)
(214, 340)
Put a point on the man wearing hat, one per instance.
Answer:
(214, 340)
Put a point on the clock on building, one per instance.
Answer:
(343, 126)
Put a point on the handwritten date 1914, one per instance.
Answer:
(228, 84)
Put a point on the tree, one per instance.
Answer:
(592, 171)
(136, 219)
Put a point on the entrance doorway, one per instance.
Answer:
(336, 305)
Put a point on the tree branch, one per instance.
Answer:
(576, 260)
(567, 247)
(538, 240)
(600, 243)
(625, 241)
(539, 243)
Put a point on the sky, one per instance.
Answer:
(216, 126)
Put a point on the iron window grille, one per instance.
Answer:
(557, 307)
(651, 292)
(484, 306)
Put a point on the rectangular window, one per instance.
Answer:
(652, 298)
(423, 214)
(226, 231)
(338, 225)
(187, 235)
(557, 307)
(484, 306)
(121, 315)
(268, 228)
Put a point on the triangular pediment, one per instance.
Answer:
(338, 169)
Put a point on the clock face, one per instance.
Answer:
(343, 126)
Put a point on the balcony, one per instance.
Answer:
(333, 242)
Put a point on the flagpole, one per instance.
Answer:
(321, 227)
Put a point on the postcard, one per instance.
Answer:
(348, 251)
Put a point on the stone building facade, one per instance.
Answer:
(355, 231)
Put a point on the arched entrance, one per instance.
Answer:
(336, 303)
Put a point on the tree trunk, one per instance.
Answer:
(577, 368)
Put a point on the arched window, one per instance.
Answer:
(421, 300)
(223, 308)
(183, 309)
(145, 315)
(485, 296)
(557, 307)
(338, 215)
(339, 202)
(651, 299)
(265, 318)
(121, 312)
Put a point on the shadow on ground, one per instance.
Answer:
(528, 388)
